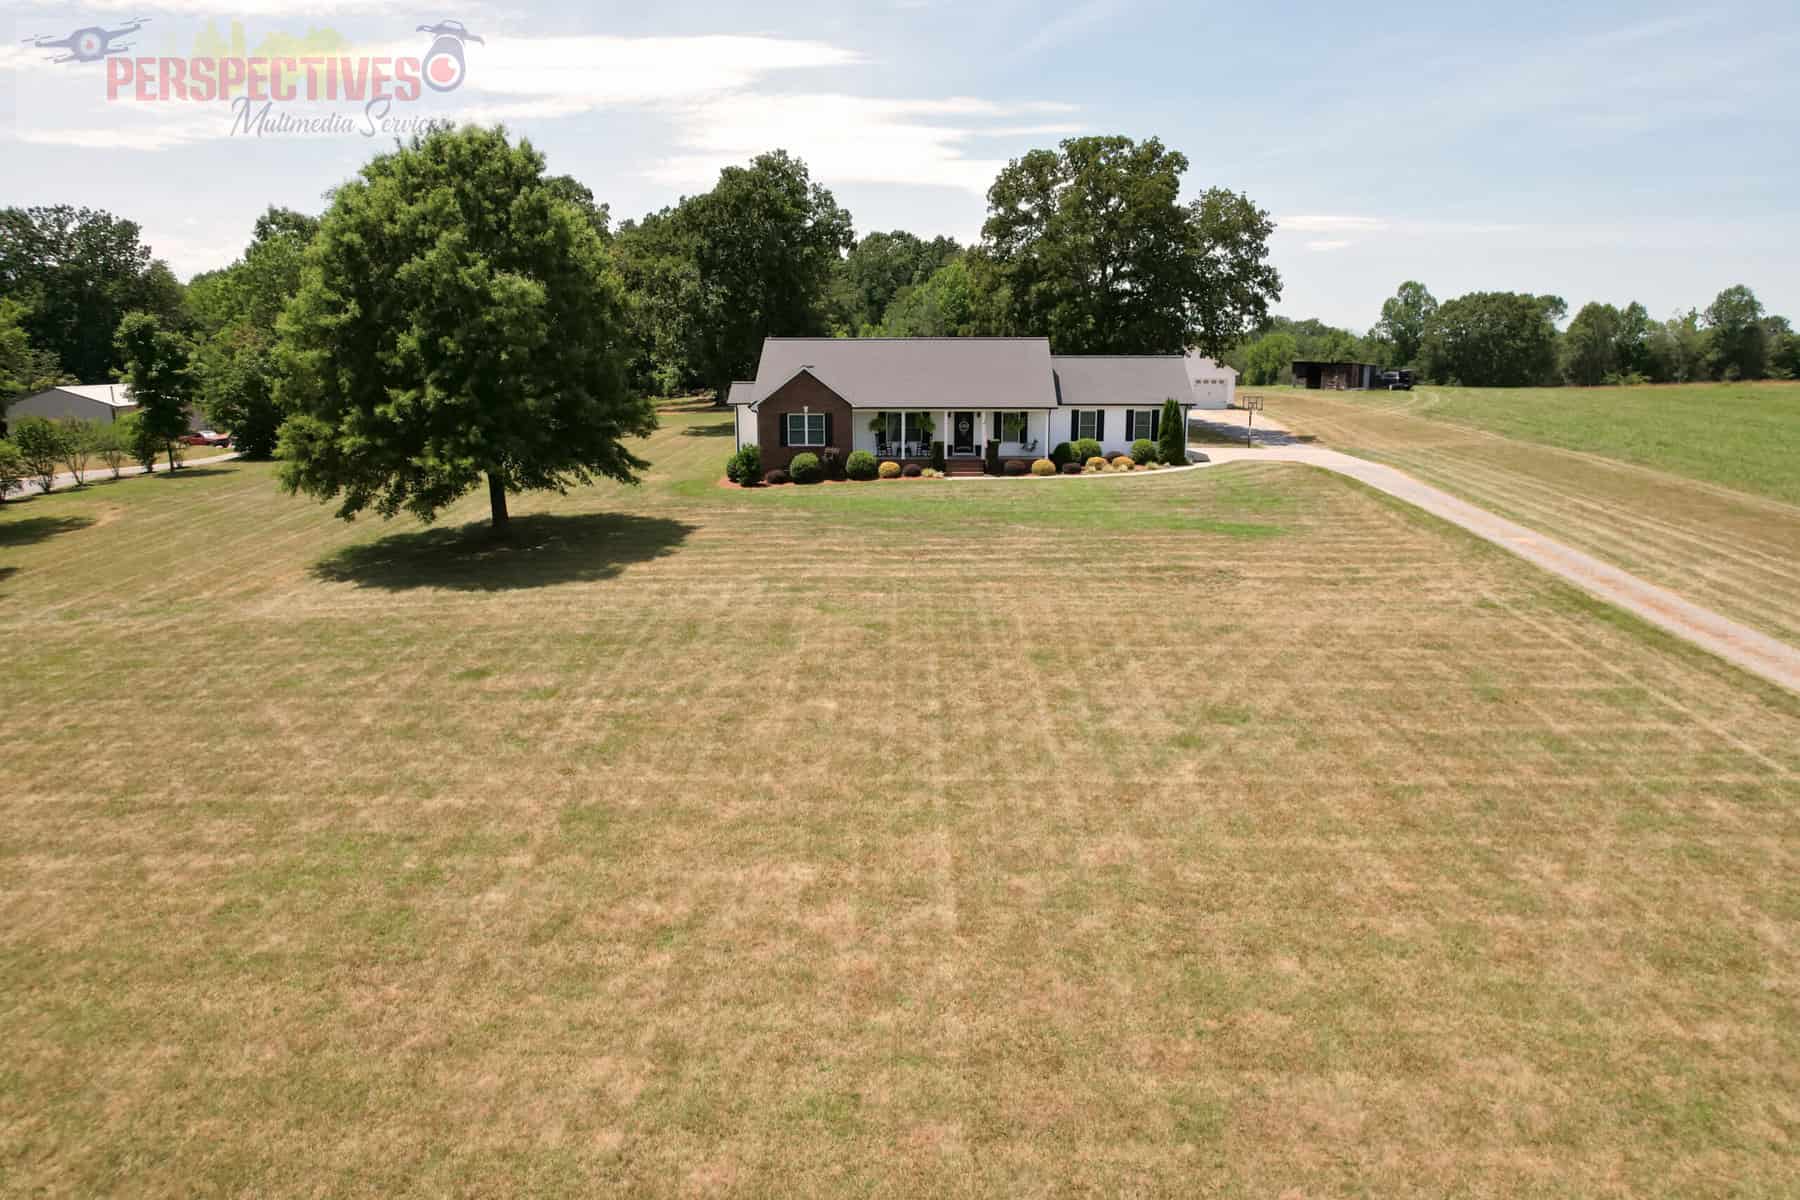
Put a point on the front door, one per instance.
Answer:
(962, 433)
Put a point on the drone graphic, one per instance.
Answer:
(88, 45)
(444, 67)
(455, 29)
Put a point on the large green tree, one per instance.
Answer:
(1091, 245)
(951, 303)
(79, 271)
(237, 308)
(1269, 357)
(458, 319)
(159, 366)
(1739, 343)
(1492, 339)
(1401, 330)
(715, 275)
(1676, 351)
(877, 269)
(1589, 349)
(23, 367)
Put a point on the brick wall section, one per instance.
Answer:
(802, 393)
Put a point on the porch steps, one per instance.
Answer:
(963, 466)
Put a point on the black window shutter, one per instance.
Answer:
(828, 429)
(1100, 425)
(784, 428)
(1155, 420)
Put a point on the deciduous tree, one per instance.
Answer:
(1738, 342)
(79, 271)
(1401, 329)
(1092, 246)
(458, 319)
(1492, 339)
(40, 443)
(159, 366)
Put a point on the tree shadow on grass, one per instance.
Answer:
(541, 550)
(721, 430)
(192, 473)
(27, 530)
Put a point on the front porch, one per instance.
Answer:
(907, 435)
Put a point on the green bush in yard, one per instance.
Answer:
(1171, 435)
(1062, 454)
(861, 465)
(1143, 451)
(40, 443)
(1083, 449)
(806, 468)
(745, 467)
(12, 469)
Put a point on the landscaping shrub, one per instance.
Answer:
(40, 443)
(1016, 466)
(1061, 455)
(1043, 466)
(1071, 468)
(1085, 450)
(937, 457)
(12, 469)
(912, 470)
(992, 457)
(1171, 435)
(1143, 451)
(1095, 462)
(777, 476)
(806, 468)
(745, 467)
(1124, 461)
(832, 459)
(890, 470)
(933, 473)
(860, 465)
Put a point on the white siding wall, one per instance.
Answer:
(746, 426)
(1113, 440)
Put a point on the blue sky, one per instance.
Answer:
(1599, 151)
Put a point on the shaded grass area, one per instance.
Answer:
(963, 838)
(1729, 549)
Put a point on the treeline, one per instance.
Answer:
(1510, 339)
(1088, 243)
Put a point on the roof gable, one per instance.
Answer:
(1138, 380)
(915, 372)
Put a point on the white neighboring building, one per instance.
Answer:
(1215, 384)
(104, 402)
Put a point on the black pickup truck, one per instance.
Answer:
(1396, 381)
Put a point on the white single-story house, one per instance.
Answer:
(895, 397)
(83, 401)
(1215, 384)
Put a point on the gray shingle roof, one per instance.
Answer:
(743, 391)
(917, 372)
(1139, 380)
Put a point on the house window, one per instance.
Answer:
(1140, 425)
(1087, 425)
(1013, 426)
(805, 429)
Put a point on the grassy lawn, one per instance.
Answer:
(1233, 832)
(1694, 488)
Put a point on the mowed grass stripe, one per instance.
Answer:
(899, 838)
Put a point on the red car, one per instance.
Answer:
(207, 437)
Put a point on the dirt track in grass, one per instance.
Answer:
(1727, 548)
(1235, 831)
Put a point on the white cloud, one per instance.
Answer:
(1329, 244)
(848, 139)
(1071, 24)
